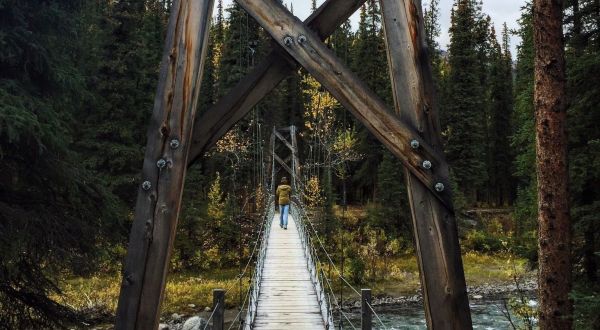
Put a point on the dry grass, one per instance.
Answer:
(99, 294)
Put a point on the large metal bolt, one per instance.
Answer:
(174, 144)
(288, 41)
(161, 163)
(439, 187)
(146, 185)
(414, 144)
(301, 39)
(426, 164)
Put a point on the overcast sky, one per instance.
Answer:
(500, 11)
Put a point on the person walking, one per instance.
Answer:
(283, 196)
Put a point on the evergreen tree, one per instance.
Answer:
(583, 91)
(55, 218)
(500, 104)
(114, 127)
(369, 62)
(463, 113)
(390, 194)
(523, 141)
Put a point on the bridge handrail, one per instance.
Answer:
(307, 227)
(312, 260)
(254, 289)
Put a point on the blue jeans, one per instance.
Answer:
(283, 215)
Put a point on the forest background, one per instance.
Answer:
(77, 81)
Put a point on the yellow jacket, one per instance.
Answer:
(283, 194)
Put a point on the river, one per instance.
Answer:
(486, 315)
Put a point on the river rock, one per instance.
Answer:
(192, 306)
(176, 317)
(194, 323)
(163, 326)
(477, 296)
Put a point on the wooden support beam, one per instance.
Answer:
(436, 240)
(306, 48)
(284, 140)
(231, 108)
(165, 163)
(283, 164)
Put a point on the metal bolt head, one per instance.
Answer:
(414, 144)
(426, 164)
(301, 39)
(288, 41)
(146, 185)
(174, 144)
(439, 187)
(161, 163)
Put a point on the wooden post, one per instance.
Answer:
(165, 163)
(366, 317)
(351, 92)
(436, 239)
(218, 309)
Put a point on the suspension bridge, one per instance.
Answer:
(289, 287)
(176, 139)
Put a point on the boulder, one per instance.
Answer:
(194, 323)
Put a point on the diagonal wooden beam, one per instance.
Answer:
(283, 164)
(436, 240)
(284, 140)
(231, 108)
(306, 48)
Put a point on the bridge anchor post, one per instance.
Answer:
(366, 318)
(218, 309)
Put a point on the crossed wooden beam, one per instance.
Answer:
(411, 132)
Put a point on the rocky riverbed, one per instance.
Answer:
(478, 296)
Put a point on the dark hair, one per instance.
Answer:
(284, 180)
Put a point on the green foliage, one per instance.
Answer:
(586, 298)
(463, 115)
(390, 211)
(523, 141)
(55, 217)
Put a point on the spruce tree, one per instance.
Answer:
(114, 127)
(463, 113)
(523, 141)
(55, 217)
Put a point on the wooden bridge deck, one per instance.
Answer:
(287, 298)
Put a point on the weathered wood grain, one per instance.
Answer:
(231, 108)
(158, 206)
(436, 240)
(306, 48)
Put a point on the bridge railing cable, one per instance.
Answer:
(312, 242)
(254, 289)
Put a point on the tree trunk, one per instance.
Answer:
(551, 157)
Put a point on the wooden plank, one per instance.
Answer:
(169, 136)
(353, 94)
(287, 297)
(436, 240)
(220, 118)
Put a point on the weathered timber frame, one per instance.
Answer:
(176, 139)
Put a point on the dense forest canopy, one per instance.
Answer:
(77, 81)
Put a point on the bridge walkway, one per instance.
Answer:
(287, 297)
